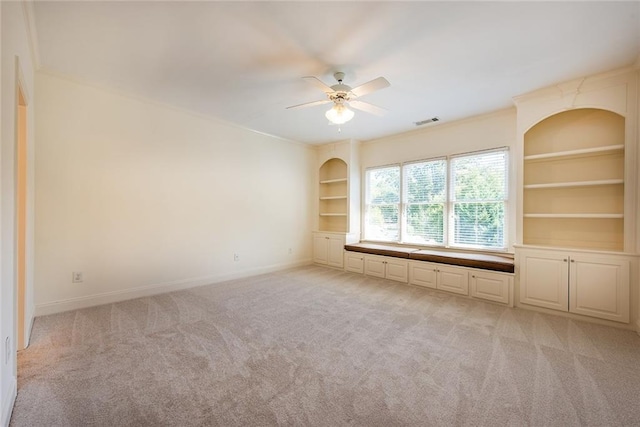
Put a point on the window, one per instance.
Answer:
(478, 199)
(424, 198)
(457, 201)
(382, 199)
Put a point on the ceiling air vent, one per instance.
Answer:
(431, 120)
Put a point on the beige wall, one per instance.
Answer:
(16, 55)
(143, 198)
(476, 133)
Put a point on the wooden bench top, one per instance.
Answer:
(375, 249)
(464, 259)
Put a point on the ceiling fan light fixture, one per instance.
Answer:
(339, 114)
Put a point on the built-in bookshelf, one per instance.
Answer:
(333, 203)
(574, 181)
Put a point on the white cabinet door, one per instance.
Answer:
(320, 249)
(386, 267)
(354, 262)
(544, 279)
(423, 274)
(374, 266)
(396, 269)
(490, 286)
(335, 251)
(453, 279)
(599, 287)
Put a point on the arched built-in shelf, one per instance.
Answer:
(574, 180)
(333, 197)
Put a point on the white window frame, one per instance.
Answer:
(448, 237)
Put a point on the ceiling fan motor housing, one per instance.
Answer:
(341, 92)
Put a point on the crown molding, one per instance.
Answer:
(32, 33)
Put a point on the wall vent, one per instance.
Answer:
(431, 120)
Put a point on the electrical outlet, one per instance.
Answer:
(236, 257)
(7, 350)
(290, 251)
(77, 277)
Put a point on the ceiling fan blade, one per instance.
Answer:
(372, 86)
(369, 108)
(318, 83)
(310, 104)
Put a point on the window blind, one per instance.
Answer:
(382, 204)
(478, 199)
(424, 197)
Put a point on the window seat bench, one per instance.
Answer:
(482, 261)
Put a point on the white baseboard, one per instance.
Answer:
(160, 288)
(7, 406)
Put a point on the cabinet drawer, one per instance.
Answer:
(490, 286)
(453, 280)
(354, 262)
(374, 266)
(397, 270)
(543, 279)
(423, 274)
(599, 287)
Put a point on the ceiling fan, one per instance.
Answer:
(344, 96)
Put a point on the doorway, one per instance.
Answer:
(21, 216)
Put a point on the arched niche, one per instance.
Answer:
(333, 203)
(574, 180)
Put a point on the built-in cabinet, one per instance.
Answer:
(328, 249)
(590, 284)
(497, 287)
(577, 180)
(477, 283)
(338, 202)
(439, 276)
(354, 262)
(386, 267)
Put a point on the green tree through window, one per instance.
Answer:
(411, 204)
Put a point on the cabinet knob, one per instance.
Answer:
(565, 260)
(473, 276)
(327, 238)
(573, 260)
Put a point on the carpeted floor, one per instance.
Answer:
(321, 347)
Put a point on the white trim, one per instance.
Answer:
(160, 288)
(7, 408)
(31, 318)
(32, 33)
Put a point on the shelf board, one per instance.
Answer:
(576, 184)
(574, 215)
(583, 151)
(333, 181)
(333, 214)
(333, 197)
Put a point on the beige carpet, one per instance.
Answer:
(315, 346)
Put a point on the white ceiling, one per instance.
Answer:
(243, 61)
